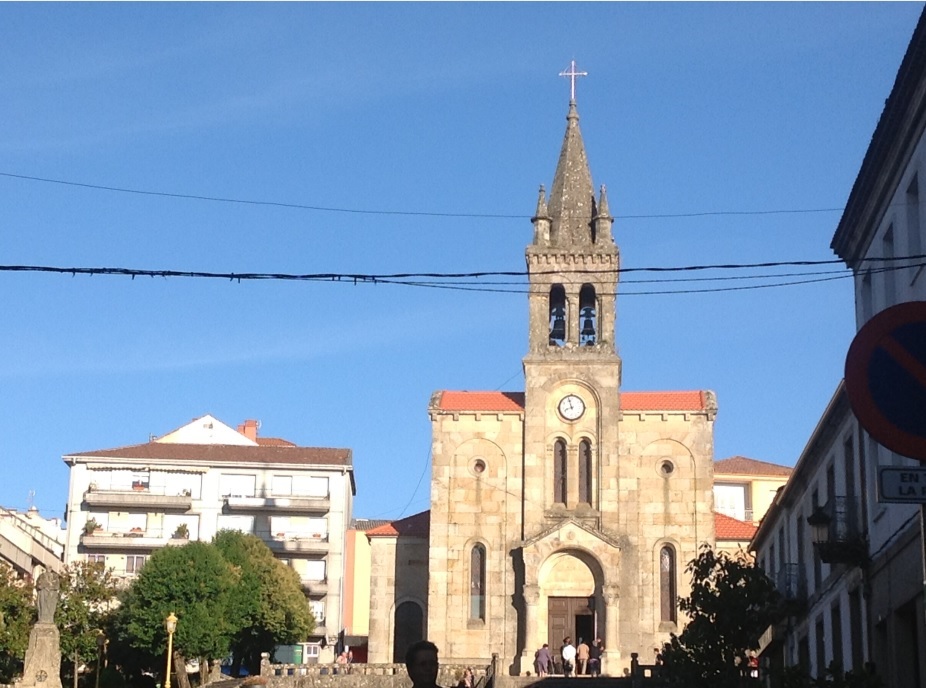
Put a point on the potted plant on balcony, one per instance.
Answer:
(182, 532)
(91, 526)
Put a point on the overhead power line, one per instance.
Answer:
(405, 213)
(437, 280)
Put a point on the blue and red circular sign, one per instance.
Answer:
(886, 378)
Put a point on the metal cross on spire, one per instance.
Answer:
(572, 74)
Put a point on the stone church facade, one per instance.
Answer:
(569, 508)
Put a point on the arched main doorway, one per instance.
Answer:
(570, 584)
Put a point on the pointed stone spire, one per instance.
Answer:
(541, 220)
(603, 220)
(572, 196)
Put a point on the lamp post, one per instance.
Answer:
(100, 647)
(170, 623)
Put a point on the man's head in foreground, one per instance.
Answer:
(421, 663)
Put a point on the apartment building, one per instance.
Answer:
(744, 488)
(125, 503)
(850, 565)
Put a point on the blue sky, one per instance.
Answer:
(418, 108)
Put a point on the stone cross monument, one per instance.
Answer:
(43, 658)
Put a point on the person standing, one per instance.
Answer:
(594, 657)
(582, 654)
(568, 653)
(542, 660)
(422, 665)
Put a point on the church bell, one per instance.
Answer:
(558, 331)
(588, 327)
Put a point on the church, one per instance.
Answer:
(566, 509)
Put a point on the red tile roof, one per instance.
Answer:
(417, 525)
(514, 401)
(274, 442)
(663, 401)
(481, 401)
(741, 465)
(727, 528)
(222, 453)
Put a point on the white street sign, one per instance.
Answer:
(902, 485)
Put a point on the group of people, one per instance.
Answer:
(423, 666)
(584, 660)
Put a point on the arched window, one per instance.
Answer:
(667, 585)
(557, 315)
(477, 583)
(585, 471)
(559, 472)
(588, 316)
(408, 629)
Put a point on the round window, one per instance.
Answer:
(667, 468)
(479, 466)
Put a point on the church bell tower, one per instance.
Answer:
(572, 369)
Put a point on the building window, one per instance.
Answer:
(866, 298)
(134, 562)
(733, 500)
(557, 315)
(232, 485)
(588, 316)
(889, 268)
(848, 451)
(585, 472)
(667, 585)
(477, 583)
(836, 633)
(559, 472)
(317, 607)
(914, 242)
(96, 559)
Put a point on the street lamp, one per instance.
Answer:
(170, 623)
(100, 648)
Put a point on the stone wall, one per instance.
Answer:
(359, 675)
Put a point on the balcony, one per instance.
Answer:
(315, 587)
(267, 501)
(837, 535)
(139, 496)
(792, 586)
(281, 543)
(135, 539)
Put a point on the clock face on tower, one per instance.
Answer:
(571, 407)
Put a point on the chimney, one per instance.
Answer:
(249, 429)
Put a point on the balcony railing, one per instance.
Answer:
(295, 542)
(140, 495)
(845, 542)
(791, 582)
(315, 587)
(135, 538)
(266, 500)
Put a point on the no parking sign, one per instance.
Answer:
(886, 378)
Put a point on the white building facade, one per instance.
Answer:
(125, 503)
(858, 595)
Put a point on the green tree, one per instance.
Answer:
(195, 583)
(88, 593)
(268, 605)
(731, 604)
(17, 612)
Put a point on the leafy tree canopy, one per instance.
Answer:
(194, 582)
(267, 605)
(87, 597)
(731, 604)
(17, 612)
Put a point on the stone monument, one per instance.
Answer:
(43, 658)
